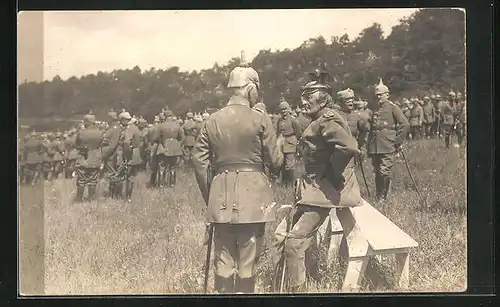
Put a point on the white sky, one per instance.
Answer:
(79, 43)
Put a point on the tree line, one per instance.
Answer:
(424, 53)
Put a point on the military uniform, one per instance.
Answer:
(128, 157)
(88, 143)
(59, 153)
(48, 154)
(303, 121)
(416, 120)
(169, 137)
(438, 123)
(429, 117)
(289, 129)
(109, 146)
(328, 151)
(234, 143)
(450, 113)
(71, 154)
(190, 133)
(33, 158)
(382, 136)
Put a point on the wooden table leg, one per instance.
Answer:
(355, 272)
(403, 270)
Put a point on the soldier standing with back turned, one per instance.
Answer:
(234, 143)
(383, 136)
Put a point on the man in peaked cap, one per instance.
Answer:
(109, 145)
(190, 134)
(233, 145)
(88, 143)
(345, 100)
(383, 136)
(288, 128)
(429, 117)
(416, 120)
(329, 182)
(169, 137)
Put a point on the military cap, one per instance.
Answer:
(89, 118)
(260, 106)
(345, 94)
(433, 96)
(438, 96)
(427, 98)
(243, 75)
(318, 83)
(381, 88)
(125, 115)
(189, 115)
(167, 113)
(284, 105)
(452, 93)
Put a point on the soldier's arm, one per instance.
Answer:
(271, 150)
(363, 129)
(201, 162)
(402, 124)
(344, 145)
(296, 128)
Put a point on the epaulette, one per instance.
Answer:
(329, 114)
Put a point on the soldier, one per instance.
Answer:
(382, 137)
(462, 116)
(71, 153)
(346, 110)
(59, 154)
(168, 136)
(303, 120)
(48, 154)
(416, 120)
(88, 142)
(190, 133)
(288, 129)
(128, 155)
(450, 114)
(153, 158)
(234, 143)
(328, 149)
(429, 116)
(144, 143)
(109, 147)
(33, 158)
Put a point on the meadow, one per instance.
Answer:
(154, 245)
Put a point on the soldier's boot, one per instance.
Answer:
(386, 183)
(152, 179)
(447, 141)
(244, 285)
(379, 188)
(172, 178)
(166, 178)
(79, 194)
(224, 285)
(118, 190)
(91, 192)
(130, 190)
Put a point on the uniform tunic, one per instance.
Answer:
(88, 143)
(237, 139)
(288, 127)
(168, 136)
(190, 133)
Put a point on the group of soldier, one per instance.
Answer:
(237, 151)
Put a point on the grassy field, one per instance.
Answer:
(154, 244)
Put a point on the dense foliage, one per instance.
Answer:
(424, 53)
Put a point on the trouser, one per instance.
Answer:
(86, 177)
(382, 168)
(123, 181)
(153, 165)
(288, 174)
(186, 153)
(69, 168)
(427, 129)
(237, 249)
(31, 173)
(416, 132)
(167, 166)
(449, 130)
(305, 221)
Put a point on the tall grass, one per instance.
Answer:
(154, 244)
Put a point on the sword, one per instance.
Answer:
(210, 230)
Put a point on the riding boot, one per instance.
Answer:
(379, 187)
(172, 178)
(79, 194)
(447, 141)
(130, 189)
(166, 178)
(244, 285)
(91, 192)
(118, 190)
(152, 178)
(224, 285)
(386, 182)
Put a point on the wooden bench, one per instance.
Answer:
(368, 234)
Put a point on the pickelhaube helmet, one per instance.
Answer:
(189, 114)
(125, 115)
(89, 118)
(243, 75)
(427, 98)
(381, 88)
(452, 93)
(433, 96)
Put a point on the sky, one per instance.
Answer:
(69, 43)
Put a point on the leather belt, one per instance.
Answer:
(239, 167)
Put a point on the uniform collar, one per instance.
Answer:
(238, 100)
